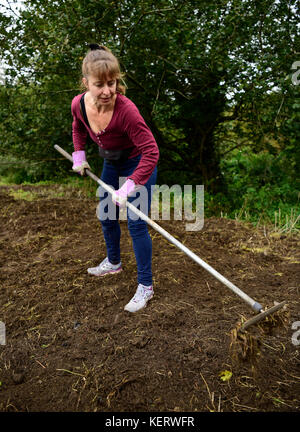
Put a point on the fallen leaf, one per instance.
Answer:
(225, 375)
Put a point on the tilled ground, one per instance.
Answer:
(70, 346)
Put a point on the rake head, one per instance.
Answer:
(261, 315)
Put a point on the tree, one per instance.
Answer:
(191, 67)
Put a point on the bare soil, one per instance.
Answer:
(70, 346)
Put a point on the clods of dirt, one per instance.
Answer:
(70, 346)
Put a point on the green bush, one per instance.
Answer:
(260, 185)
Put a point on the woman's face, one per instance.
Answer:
(102, 92)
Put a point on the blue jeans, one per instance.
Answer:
(141, 240)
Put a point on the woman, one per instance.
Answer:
(129, 150)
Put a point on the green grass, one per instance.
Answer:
(20, 194)
(85, 184)
(261, 189)
(283, 219)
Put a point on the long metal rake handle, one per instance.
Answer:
(257, 307)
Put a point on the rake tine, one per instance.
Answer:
(262, 315)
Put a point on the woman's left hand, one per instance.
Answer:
(119, 196)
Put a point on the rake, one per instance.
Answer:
(257, 307)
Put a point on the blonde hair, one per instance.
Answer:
(101, 63)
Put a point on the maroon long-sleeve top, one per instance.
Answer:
(127, 129)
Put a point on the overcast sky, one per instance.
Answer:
(10, 6)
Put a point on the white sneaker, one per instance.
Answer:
(105, 268)
(140, 298)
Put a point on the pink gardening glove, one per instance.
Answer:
(119, 196)
(79, 162)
